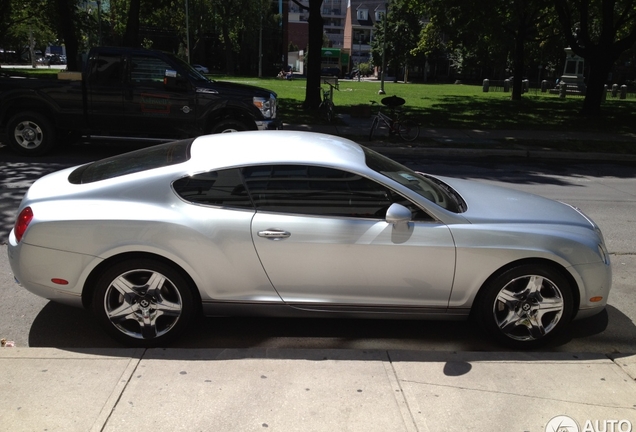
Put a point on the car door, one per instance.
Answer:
(322, 238)
(105, 87)
(152, 107)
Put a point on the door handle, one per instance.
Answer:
(274, 234)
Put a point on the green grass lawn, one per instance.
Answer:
(459, 106)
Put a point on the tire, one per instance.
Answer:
(136, 314)
(526, 306)
(30, 134)
(228, 126)
(374, 126)
(408, 130)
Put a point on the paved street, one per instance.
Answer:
(605, 191)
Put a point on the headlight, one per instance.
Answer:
(266, 106)
(602, 250)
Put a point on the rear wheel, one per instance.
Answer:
(408, 130)
(374, 126)
(30, 134)
(526, 306)
(143, 302)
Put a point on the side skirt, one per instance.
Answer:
(298, 310)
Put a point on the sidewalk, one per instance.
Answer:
(309, 390)
(472, 142)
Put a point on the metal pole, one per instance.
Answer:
(187, 33)
(386, 13)
(260, 46)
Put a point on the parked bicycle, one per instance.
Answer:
(327, 107)
(407, 129)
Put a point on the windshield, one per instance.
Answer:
(424, 185)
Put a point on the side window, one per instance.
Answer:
(217, 188)
(313, 190)
(106, 70)
(148, 70)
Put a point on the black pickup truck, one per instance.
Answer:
(127, 92)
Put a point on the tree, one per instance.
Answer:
(314, 47)
(491, 29)
(403, 29)
(598, 31)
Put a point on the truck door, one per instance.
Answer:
(105, 92)
(152, 107)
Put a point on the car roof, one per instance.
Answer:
(276, 147)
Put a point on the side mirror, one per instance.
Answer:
(398, 213)
(172, 81)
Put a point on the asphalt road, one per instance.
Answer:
(605, 192)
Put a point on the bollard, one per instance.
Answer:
(486, 85)
(562, 89)
(544, 86)
(614, 90)
(623, 91)
(506, 85)
(525, 86)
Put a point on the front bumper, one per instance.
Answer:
(274, 124)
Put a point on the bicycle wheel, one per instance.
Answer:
(408, 130)
(330, 112)
(374, 126)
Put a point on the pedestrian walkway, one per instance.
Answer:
(474, 142)
(310, 390)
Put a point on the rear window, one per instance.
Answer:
(141, 160)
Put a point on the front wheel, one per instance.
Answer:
(143, 302)
(408, 130)
(30, 134)
(374, 126)
(229, 125)
(526, 306)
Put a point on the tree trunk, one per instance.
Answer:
(67, 29)
(312, 91)
(600, 67)
(131, 36)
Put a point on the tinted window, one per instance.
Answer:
(106, 70)
(141, 160)
(320, 191)
(218, 188)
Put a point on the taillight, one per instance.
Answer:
(22, 223)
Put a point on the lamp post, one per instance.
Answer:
(359, 53)
(386, 12)
(187, 33)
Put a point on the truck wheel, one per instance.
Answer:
(30, 134)
(229, 125)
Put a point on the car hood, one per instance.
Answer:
(234, 88)
(495, 204)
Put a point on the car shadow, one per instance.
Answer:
(73, 329)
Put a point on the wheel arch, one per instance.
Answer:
(27, 103)
(89, 285)
(229, 113)
(540, 262)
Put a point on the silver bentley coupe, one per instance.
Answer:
(300, 224)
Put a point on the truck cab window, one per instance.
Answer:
(148, 70)
(106, 70)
